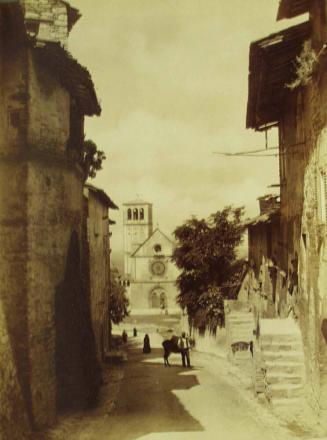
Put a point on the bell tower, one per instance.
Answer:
(138, 226)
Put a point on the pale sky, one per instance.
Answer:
(171, 76)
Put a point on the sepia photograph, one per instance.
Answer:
(163, 220)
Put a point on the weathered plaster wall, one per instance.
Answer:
(13, 221)
(304, 233)
(45, 302)
(14, 422)
(98, 239)
(49, 109)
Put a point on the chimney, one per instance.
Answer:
(268, 203)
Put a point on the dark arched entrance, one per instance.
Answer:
(76, 365)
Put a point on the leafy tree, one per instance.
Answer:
(206, 255)
(118, 302)
(92, 159)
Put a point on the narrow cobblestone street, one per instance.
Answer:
(157, 403)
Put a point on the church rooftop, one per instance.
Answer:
(137, 202)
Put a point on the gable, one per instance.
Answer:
(157, 244)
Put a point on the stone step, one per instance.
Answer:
(292, 402)
(286, 391)
(284, 367)
(241, 324)
(283, 356)
(283, 378)
(281, 346)
(249, 323)
(241, 330)
(241, 337)
(283, 338)
(239, 318)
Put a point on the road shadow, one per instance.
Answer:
(146, 402)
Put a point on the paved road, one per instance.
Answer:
(159, 403)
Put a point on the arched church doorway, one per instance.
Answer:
(158, 298)
(163, 300)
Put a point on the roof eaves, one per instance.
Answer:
(271, 67)
(136, 202)
(267, 217)
(150, 236)
(292, 8)
(73, 76)
(73, 15)
(102, 195)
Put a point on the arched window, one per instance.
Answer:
(141, 214)
(129, 214)
(135, 214)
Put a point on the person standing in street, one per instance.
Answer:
(184, 345)
(146, 344)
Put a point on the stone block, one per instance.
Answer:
(32, 15)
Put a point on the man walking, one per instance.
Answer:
(184, 345)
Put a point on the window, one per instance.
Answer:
(15, 119)
(157, 248)
(129, 214)
(135, 214)
(141, 214)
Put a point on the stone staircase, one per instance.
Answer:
(239, 324)
(283, 361)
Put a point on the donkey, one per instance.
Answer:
(242, 346)
(170, 346)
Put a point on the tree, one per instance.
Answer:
(118, 305)
(206, 255)
(92, 159)
(118, 302)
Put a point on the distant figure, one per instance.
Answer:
(124, 337)
(146, 344)
(134, 332)
(184, 345)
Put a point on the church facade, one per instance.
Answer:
(148, 267)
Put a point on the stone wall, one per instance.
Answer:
(14, 421)
(303, 222)
(47, 20)
(45, 300)
(98, 240)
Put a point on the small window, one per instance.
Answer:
(15, 119)
(129, 214)
(135, 214)
(157, 248)
(141, 214)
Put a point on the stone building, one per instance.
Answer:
(98, 238)
(45, 95)
(287, 90)
(263, 231)
(150, 273)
